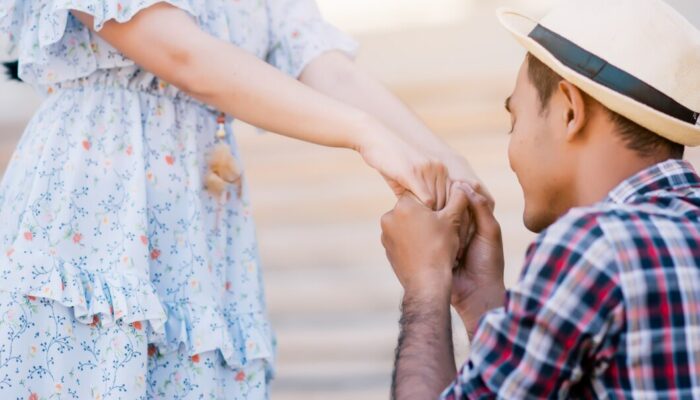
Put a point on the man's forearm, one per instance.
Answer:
(424, 364)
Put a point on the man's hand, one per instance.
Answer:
(477, 284)
(422, 244)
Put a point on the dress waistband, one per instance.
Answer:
(131, 78)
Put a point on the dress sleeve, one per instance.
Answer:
(560, 322)
(298, 34)
(51, 45)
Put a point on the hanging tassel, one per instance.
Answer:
(223, 169)
(214, 184)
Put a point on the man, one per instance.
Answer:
(608, 304)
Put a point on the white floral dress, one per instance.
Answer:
(120, 276)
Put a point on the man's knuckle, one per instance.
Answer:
(385, 220)
(496, 230)
(401, 209)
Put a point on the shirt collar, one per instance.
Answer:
(671, 174)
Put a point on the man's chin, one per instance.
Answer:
(537, 223)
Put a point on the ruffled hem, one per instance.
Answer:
(96, 297)
(241, 338)
(106, 300)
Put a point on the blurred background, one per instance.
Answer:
(332, 296)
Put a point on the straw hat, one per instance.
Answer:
(639, 58)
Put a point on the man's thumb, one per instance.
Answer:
(457, 203)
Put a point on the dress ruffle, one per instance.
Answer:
(240, 338)
(103, 299)
(100, 297)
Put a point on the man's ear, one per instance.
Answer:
(574, 110)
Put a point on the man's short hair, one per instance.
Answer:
(635, 137)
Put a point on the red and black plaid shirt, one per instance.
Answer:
(608, 304)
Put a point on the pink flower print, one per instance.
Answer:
(28, 236)
(77, 238)
(240, 376)
(155, 253)
(86, 144)
(170, 159)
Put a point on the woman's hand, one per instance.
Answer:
(337, 76)
(405, 168)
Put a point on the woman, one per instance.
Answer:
(124, 277)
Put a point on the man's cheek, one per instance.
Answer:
(513, 154)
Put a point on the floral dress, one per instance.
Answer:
(121, 277)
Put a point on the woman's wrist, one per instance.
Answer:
(364, 130)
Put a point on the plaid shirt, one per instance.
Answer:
(608, 304)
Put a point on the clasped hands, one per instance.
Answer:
(454, 254)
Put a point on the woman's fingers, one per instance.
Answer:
(435, 176)
(442, 183)
(423, 191)
(395, 186)
(405, 168)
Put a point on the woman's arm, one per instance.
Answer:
(166, 41)
(335, 75)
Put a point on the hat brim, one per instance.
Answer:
(664, 125)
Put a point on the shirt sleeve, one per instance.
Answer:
(298, 34)
(559, 322)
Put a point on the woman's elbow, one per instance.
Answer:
(183, 70)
